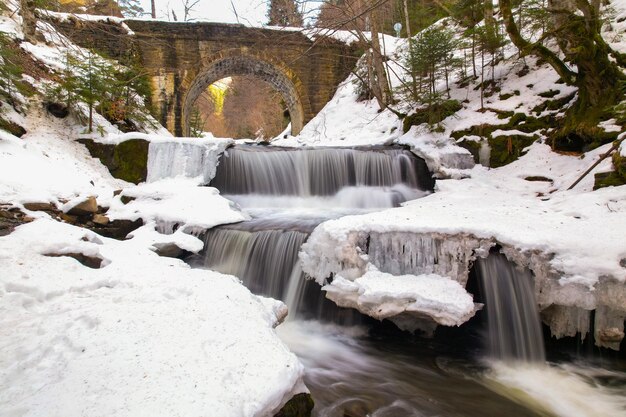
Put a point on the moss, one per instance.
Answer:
(473, 147)
(506, 149)
(506, 96)
(300, 405)
(608, 179)
(127, 161)
(549, 94)
(553, 105)
(619, 162)
(432, 114)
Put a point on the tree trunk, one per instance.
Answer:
(382, 91)
(577, 28)
(29, 21)
(153, 9)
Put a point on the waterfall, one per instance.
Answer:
(316, 172)
(288, 192)
(514, 326)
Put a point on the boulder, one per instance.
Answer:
(85, 208)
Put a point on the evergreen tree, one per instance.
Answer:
(431, 57)
(284, 13)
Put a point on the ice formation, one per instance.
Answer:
(191, 158)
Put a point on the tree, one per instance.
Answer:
(29, 21)
(131, 8)
(284, 13)
(431, 56)
(589, 63)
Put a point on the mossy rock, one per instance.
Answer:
(608, 179)
(127, 161)
(506, 149)
(619, 162)
(300, 405)
(473, 147)
(433, 114)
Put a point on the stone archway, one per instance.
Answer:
(276, 75)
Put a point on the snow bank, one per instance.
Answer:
(175, 202)
(144, 335)
(43, 167)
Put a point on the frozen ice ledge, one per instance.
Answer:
(417, 279)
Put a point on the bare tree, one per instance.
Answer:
(188, 6)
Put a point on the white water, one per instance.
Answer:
(512, 314)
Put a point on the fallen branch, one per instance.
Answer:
(602, 158)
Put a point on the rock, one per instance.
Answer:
(118, 229)
(300, 405)
(126, 199)
(87, 207)
(10, 218)
(67, 218)
(100, 219)
(127, 160)
(93, 262)
(40, 207)
(168, 249)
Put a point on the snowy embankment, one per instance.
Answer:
(142, 335)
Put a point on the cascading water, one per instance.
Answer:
(287, 193)
(514, 325)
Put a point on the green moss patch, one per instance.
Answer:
(506, 149)
(127, 161)
(433, 114)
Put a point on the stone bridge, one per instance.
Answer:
(183, 59)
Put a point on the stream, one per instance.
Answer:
(356, 367)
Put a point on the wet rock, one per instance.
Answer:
(93, 262)
(300, 405)
(85, 208)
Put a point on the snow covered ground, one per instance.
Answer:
(142, 334)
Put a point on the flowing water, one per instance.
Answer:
(353, 371)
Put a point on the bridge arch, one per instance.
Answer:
(241, 63)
